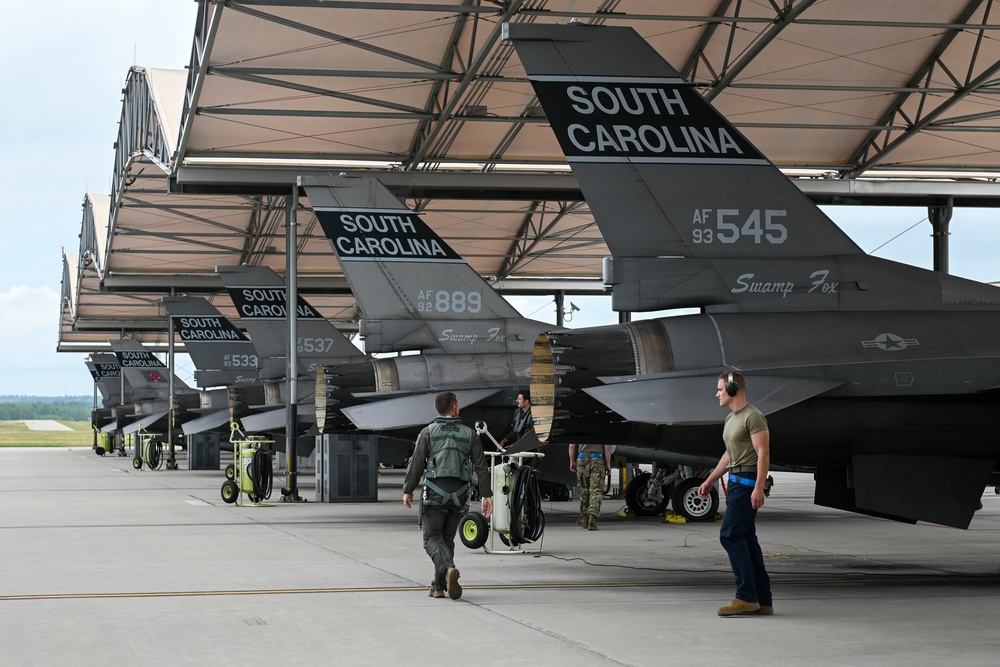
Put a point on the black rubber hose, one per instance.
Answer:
(154, 452)
(527, 520)
(261, 475)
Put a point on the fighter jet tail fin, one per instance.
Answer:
(414, 291)
(146, 375)
(106, 372)
(221, 353)
(665, 174)
(260, 297)
(693, 213)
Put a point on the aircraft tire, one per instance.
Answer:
(688, 504)
(230, 492)
(474, 530)
(638, 500)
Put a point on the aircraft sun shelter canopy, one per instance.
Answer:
(861, 102)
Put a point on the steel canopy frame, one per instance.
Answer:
(854, 94)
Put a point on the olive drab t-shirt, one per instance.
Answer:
(740, 425)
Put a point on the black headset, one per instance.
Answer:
(731, 387)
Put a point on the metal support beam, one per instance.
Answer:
(560, 304)
(940, 217)
(291, 490)
(172, 404)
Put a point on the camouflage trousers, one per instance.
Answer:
(590, 475)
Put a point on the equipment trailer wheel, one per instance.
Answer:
(230, 471)
(474, 530)
(690, 505)
(137, 463)
(638, 500)
(230, 492)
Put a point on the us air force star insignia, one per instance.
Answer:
(890, 342)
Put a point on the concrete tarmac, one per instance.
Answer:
(104, 565)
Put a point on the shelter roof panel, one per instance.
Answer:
(421, 88)
(292, 137)
(968, 149)
(289, 36)
(166, 88)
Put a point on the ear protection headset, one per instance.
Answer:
(731, 387)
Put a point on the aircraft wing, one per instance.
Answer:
(668, 399)
(205, 422)
(408, 411)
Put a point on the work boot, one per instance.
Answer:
(582, 521)
(436, 593)
(451, 582)
(765, 610)
(739, 608)
(591, 522)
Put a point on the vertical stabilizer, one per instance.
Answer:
(664, 173)
(414, 290)
(260, 297)
(145, 374)
(104, 368)
(222, 355)
(693, 213)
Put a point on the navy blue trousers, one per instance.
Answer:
(739, 538)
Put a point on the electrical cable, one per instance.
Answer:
(527, 520)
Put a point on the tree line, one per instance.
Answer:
(78, 410)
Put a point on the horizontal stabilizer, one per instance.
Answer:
(263, 422)
(205, 422)
(144, 422)
(526, 443)
(408, 411)
(669, 399)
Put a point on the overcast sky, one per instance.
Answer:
(65, 63)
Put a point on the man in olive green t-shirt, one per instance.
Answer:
(745, 463)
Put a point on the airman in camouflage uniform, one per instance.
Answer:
(592, 464)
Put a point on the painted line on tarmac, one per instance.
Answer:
(912, 579)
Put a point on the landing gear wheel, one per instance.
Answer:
(690, 505)
(230, 471)
(137, 463)
(474, 530)
(638, 500)
(230, 491)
